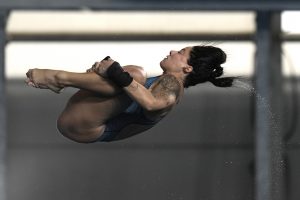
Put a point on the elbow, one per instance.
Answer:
(148, 108)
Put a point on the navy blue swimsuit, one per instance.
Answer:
(132, 115)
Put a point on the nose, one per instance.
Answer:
(172, 52)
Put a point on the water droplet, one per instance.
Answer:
(260, 100)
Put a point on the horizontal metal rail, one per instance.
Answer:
(258, 5)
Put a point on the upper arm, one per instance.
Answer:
(161, 103)
(162, 95)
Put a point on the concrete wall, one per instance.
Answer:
(202, 151)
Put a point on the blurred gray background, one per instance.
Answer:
(218, 144)
(202, 150)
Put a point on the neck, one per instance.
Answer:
(180, 76)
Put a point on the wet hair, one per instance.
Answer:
(206, 62)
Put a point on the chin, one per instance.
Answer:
(162, 66)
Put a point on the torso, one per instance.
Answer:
(143, 120)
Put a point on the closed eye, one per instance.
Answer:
(181, 51)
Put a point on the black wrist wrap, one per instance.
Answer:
(116, 73)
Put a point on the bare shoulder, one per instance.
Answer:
(170, 82)
(167, 86)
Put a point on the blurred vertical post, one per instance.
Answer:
(269, 180)
(3, 18)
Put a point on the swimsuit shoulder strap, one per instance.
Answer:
(150, 81)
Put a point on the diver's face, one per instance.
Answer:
(176, 60)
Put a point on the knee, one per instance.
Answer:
(137, 73)
(63, 125)
(67, 128)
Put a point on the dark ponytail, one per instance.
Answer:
(220, 82)
(206, 62)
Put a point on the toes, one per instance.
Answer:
(27, 80)
(28, 74)
(30, 83)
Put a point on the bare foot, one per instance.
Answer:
(43, 79)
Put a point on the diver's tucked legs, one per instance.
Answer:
(83, 120)
(56, 80)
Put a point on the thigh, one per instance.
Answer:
(96, 109)
(86, 113)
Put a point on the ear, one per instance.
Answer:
(187, 69)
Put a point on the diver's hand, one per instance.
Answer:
(101, 67)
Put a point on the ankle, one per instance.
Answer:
(61, 78)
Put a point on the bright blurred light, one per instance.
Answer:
(129, 22)
(290, 27)
(291, 62)
(78, 56)
(290, 22)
